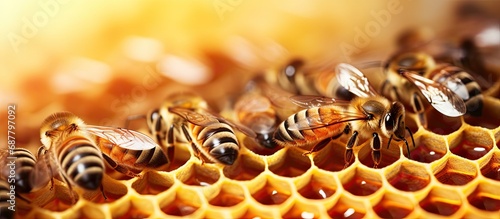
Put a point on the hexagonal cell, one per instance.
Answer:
(320, 186)
(331, 157)
(185, 202)
(152, 183)
(473, 143)
(408, 177)
(387, 156)
(441, 124)
(230, 194)
(492, 168)
(138, 208)
(246, 167)
(485, 197)
(88, 212)
(361, 182)
(199, 175)
(302, 210)
(274, 192)
(429, 148)
(456, 171)
(256, 148)
(252, 212)
(490, 117)
(394, 206)
(293, 164)
(113, 190)
(346, 208)
(441, 201)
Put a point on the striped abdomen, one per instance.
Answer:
(216, 142)
(5, 212)
(475, 101)
(132, 162)
(81, 162)
(25, 165)
(309, 127)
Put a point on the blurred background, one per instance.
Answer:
(105, 61)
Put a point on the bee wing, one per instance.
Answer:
(190, 115)
(312, 122)
(438, 95)
(452, 82)
(45, 169)
(125, 138)
(309, 101)
(354, 80)
(203, 117)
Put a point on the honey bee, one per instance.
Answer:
(444, 86)
(211, 136)
(255, 111)
(77, 151)
(367, 116)
(21, 167)
(299, 79)
(5, 206)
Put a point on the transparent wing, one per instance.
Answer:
(125, 138)
(439, 96)
(334, 116)
(309, 101)
(45, 169)
(447, 77)
(354, 80)
(204, 117)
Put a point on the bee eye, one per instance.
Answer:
(389, 122)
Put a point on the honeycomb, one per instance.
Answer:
(453, 172)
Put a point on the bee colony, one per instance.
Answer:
(244, 116)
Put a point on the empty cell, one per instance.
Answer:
(429, 148)
(409, 177)
(473, 143)
(246, 167)
(62, 200)
(441, 201)
(152, 183)
(293, 164)
(457, 172)
(492, 168)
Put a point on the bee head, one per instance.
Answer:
(393, 122)
(56, 124)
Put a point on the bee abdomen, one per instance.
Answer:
(83, 163)
(4, 197)
(25, 164)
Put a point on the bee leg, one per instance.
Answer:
(375, 145)
(102, 192)
(195, 149)
(318, 146)
(348, 156)
(412, 140)
(418, 107)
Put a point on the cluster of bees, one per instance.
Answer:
(288, 107)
